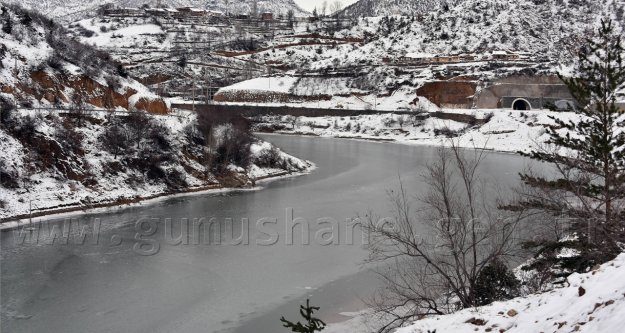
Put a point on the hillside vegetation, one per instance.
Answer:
(541, 37)
(72, 10)
(77, 133)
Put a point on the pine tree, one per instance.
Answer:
(589, 159)
(7, 27)
(495, 283)
(312, 324)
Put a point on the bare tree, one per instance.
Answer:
(324, 8)
(139, 124)
(255, 9)
(401, 120)
(336, 7)
(115, 139)
(290, 15)
(433, 255)
(78, 107)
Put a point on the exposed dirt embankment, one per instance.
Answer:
(455, 94)
(62, 88)
(156, 106)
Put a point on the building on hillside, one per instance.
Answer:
(445, 59)
(171, 11)
(266, 16)
(413, 59)
(160, 12)
(503, 56)
(216, 13)
(467, 57)
(192, 11)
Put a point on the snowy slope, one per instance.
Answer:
(592, 302)
(544, 35)
(502, 131)
(42, 66)
(390, 7)
(104, 179)
(549, 28)
(63, 148)
(69, 10)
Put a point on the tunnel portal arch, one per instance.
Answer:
(521, 104)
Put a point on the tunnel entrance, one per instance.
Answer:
(521, 105)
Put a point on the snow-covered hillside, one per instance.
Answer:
(167, 53)
(72, 10)
(589, 303)
(76, 132)
(506, 131)
(41, 66)
(390, 7)
(53, 164)
(547, 28)
(476, 41)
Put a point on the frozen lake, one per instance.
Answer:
(134, 280)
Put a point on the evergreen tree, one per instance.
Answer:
(26, 19)
(312, 324)
(182, 62)
(588, 155)
(495, 283)
(7, 27)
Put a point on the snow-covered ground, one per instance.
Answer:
(48, 191)
(267, 84)
(590, 303)
(504, 130)
(321, 92)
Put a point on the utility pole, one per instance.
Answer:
(193, 94)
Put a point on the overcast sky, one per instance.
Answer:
(309, 5)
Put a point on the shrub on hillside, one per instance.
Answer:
(24, 129)
(8, 177)
(139, 125)
(69, 138)
(115, 139)
(55, 62)
(7, 108)
(7, 23)
(234, 148)
(496, 283)
(269, 159)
